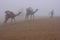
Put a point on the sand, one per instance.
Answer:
(38, 29)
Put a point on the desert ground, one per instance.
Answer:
(38, 29)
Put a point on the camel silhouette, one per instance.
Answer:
(52, 13)
(10, 14)
(29, 11)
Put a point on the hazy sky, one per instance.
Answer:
(44, 6)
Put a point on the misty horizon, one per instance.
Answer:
(44, 6)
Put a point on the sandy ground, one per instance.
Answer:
(39, 29)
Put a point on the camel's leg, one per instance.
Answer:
(14, 19)
(33, 16)
(6, 19)
(11, 20)
(26, 17)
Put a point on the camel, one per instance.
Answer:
(51, 14)
(30, 12)
(11, 15)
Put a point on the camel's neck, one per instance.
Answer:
(18, 14)
(35, 11)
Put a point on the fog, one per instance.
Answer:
(44, 6)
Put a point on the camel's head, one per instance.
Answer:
(37, 9)
(20, 12)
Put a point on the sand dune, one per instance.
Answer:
(39, 29)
